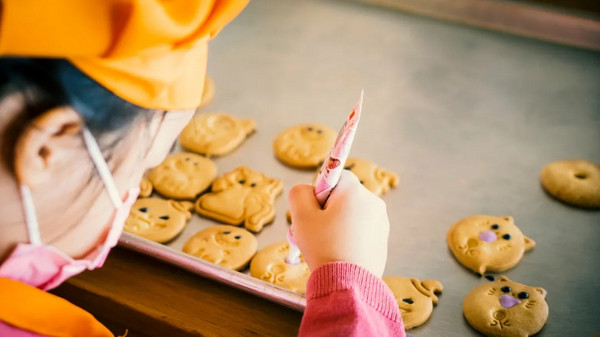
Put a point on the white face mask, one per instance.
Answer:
(46, 267)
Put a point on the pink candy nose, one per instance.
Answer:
(488, 236)
(508, 301)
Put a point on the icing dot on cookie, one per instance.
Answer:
(237, 237)
(505, 289)
(506, 236)
(581, 175)
(165, 217)
(495, 226)
(523, 295)
(226, 232)
(143, 209)
(253, 185)
(407, 300)
(242, 182)
(490, 277)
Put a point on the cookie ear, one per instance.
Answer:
(434, 288)
(184, 207)
(503, 279)
(509, 219)
(541, 291)
(248, 125)
(145, 188)
(274, 185)
(529, 243)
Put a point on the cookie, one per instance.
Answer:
(157, 219)
(228, 246)
(488, 243)
(506, 308)
(145, 188)
(415, 298)
(242, 196)
(269, 265)
(215, 134)
(304, 146)
(576, 182)
(182, 175)
(208, 93)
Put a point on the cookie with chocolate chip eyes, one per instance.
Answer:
(506, 308)
(182, 175)
(270, 265)
(241, 196)
(225, 245)
(157, 219)
(488, 243)
(304, 146)
(415, 298)
(576, 182)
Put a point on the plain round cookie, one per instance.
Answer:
(506, 308)
(157, 219)
(304, 146)
(182, 175)
(576, 182)
(228, 246)
(269, 265)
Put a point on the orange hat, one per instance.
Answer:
(151, 53)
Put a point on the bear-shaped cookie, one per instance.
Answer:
(157, 219)
(415, 298)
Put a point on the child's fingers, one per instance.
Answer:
(302, 197)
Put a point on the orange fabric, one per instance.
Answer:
(149, 52)
(34, 310)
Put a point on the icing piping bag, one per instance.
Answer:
(331, 170)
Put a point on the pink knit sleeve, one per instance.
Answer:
(344, 299)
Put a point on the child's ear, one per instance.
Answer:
(541, 291)
(184, 207)
(503, 279)
(529, 243)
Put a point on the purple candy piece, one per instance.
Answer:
(508, 301)
(488, 236)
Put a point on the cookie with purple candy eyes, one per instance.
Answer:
(488, 243)
(506, 308)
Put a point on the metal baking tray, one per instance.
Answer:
(467, 118)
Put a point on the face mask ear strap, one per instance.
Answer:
(33, 228)
(102, 168)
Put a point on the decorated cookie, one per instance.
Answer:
(215, 134)
(242, 196)
(208, 93)
(576, 182)
(228, 246)
(145, 188)
(269, 265)
(415, 298)
(304, 146)
(506, 308)
(183, 175)
(488, 243)
(157, 219)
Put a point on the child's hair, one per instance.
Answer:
(49, 83)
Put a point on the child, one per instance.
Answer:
(99, 93)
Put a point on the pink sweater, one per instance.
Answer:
(344, 299)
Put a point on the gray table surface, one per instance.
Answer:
(466, 117)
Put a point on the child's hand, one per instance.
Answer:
(353, 227)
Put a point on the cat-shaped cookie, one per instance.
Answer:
(506, 308)
(242, 196)
(415, 298)
(373, 177)
(157, 219)
(304, 146)
(215, 134)
(488, 243)
(270, 265)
